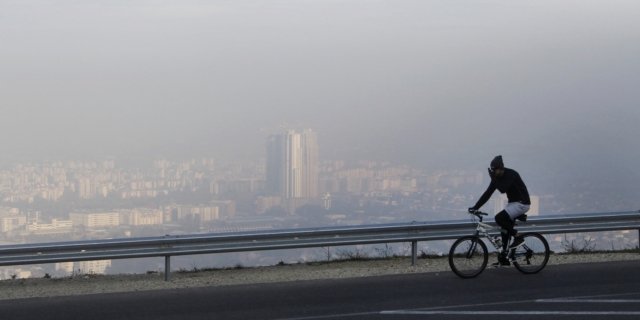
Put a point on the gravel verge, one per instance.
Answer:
(92, 284)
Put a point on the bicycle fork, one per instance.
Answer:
(472, 248)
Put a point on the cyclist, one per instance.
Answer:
(506, 181)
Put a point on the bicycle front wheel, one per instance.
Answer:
(468, 257)
(533, 255)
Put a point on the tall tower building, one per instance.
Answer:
(309, 146)
(275, 163)
(535, 206)
(292, 164)
(292, 186)
(499, 203)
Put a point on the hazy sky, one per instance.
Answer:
(548, 84)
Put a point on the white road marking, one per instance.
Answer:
(427, 310)
(334, 316)
(518, 313)
(603, 295)
(588, 300)
(433, 311)
(433, 308)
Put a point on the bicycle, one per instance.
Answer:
(468, 256)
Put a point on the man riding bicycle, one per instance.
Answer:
(506, 181)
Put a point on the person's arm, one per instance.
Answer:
(485, 196)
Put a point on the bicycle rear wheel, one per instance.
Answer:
(533, 255)
(468, 257)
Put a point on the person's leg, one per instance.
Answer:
(505, 222)
(515, 210)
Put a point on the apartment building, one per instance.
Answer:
(12, 222)
(95, 267)
(101, 219)
(55, 224)
(139, 217)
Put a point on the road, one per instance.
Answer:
(595, 291)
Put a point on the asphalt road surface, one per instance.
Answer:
(608, 290)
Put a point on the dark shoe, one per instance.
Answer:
(501, 264)
(522, 217)
(518, 241)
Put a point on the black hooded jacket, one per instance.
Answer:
(511, 184)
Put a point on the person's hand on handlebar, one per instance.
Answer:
(472, 210)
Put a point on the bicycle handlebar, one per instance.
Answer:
(478, 213)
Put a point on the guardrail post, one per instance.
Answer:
(167, 268)
(414, 253)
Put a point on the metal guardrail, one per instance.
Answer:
(413, 232)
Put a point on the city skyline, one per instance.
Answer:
(208, 196)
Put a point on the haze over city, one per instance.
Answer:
(409, 90)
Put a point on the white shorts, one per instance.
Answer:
(515, 209)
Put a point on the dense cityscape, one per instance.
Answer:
(289, 188)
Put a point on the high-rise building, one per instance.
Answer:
(535, 206)
(292, 171)
(292, 165)
(499, 203)
(275, 154)
(309, 145)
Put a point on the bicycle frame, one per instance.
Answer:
(481, 228)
